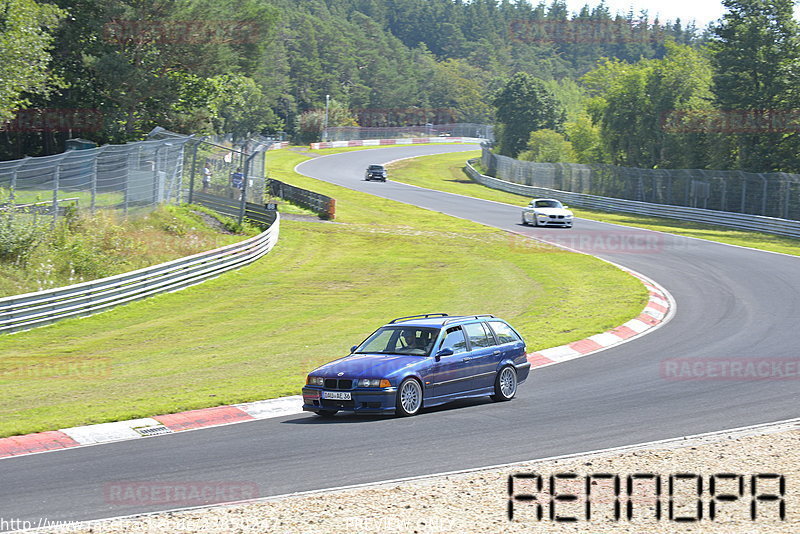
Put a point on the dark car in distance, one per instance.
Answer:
(421, 361)
(376, 172)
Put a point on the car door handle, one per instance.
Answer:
(496, 353)
(466, 359)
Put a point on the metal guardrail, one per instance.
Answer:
(320, 204)
(739, 221)
(232, 208)
(22, 312)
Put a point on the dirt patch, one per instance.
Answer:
(213, 222)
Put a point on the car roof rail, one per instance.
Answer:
(464, 317)
(422, 315)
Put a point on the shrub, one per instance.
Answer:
(18, 237)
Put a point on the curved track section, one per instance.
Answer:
(732, 304)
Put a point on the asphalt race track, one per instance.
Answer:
(732, 303)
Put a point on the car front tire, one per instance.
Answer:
(505, 384)
(409, 398)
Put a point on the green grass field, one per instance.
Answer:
(445, 173)
(256, 332)
(83, 198)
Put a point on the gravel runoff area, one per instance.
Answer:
(477, 501)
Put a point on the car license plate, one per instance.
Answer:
(336, 395)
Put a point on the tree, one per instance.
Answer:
(631, 103)
(755, 52)
(585, 140)
(312, 123)
(25, 41)
(548, 146)
(522, 106)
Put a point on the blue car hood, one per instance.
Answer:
(368, 365)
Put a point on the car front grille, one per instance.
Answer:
(556, 216)
(343, 383)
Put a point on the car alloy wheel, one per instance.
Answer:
(505, 385)
(409, 397)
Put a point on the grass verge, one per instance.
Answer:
(82, 247)
(256, 332)
(445, 173)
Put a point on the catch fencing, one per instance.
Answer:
(775, 195)
(224, 167)
(165, 169)
(121, 177)
(772, 225)
(23, 312)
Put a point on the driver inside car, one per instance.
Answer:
(409, 342)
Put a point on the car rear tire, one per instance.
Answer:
(327, 413)
(505, 384)
(409, 398)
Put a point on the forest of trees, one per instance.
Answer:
(191, 66)
(591, 86)
(728, 101)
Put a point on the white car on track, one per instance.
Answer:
(546, 212)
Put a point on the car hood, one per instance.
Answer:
(552, 211)
(368, 365)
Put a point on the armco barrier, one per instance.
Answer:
(399, 141)
(22, 312)
(740, 221)
(322, 205)
(233, 208)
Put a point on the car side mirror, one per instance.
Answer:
(444, 352)
(566, 207)
(353, 349)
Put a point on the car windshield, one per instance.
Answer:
(547, 204)
(376, 167)
(400, 340)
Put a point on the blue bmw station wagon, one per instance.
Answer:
(421, 361)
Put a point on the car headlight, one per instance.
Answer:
(373, 383)
(315, 381)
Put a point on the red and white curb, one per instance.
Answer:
(399, 141)
(149, 426)
(659, 309)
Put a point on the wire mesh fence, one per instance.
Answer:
(768, 194)
(121, 177)
(168, 168)
(225, 167)
(463, 129)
